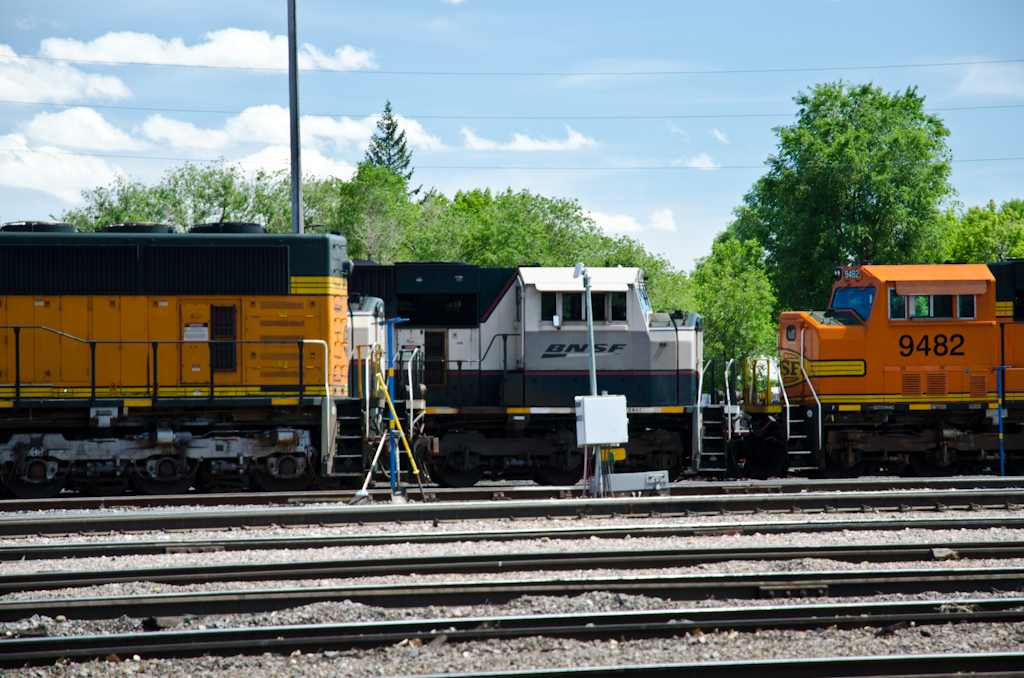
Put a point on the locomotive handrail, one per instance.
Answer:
(814, 393)
(155, 389)
(782, 389)
(728, 401)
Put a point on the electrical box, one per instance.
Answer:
(601, 420)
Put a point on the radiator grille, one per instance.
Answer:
(938, 383)
(913, 384)
(217, 270)
(979, 387)
(68, 269)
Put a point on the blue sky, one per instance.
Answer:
(564, 98)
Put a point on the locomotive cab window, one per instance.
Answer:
(897, 306)
(572, 307)
(857, 299)
(597, 303)
(966, 303)
(547, 306)
(618, 306)
(791, 333)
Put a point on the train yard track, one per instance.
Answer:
(420, 594)
(63, 523)
(506, 492)
(662, 623)
(508, 562)
(236, 542)
(919, 589)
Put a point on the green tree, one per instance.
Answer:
(734, 295)
(859, 177)
(984, 234)
(123, 200)
(388, 147)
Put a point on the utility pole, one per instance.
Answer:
(293, 107)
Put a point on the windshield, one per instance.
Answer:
(857, 299)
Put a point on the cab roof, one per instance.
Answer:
(560, 279)
(935, 278)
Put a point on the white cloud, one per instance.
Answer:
(80, 128)
(41, 169)
(275, 158)
(678, 130)
(992, 79)
(269, 125)
(521, 142)
(659, 220)
(30, 80)
(227, 47)
(719, 135)
(702, 161)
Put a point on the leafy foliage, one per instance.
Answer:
(733, 293)
(984, 234)
(858, 178)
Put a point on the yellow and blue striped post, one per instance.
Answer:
(999, 394)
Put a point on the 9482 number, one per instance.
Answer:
(939, 344)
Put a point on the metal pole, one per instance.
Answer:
(293, 103)
(999, 388)
(590, 334)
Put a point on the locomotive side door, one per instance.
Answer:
(202, 322)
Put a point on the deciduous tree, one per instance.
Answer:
(859, 177)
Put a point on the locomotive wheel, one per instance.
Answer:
(38, 489)
(928, 465)
(552, 475)
(167, 481)
(270, 483)
(22, 489)
(834, 470)
(447, 476)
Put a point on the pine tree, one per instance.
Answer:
(388, 147)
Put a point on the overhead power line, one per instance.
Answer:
(483, 167)
(668, 116)
(737, 71)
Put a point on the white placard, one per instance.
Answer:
(196, 332)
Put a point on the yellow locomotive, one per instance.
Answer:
(161, 360)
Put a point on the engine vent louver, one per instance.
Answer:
(913, 384)
(217, 270)
(979, 387)
(937, 383)
(68, 269)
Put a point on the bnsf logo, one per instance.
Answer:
(562, 350)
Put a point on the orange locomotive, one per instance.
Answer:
(902, 371)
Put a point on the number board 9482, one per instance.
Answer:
(932, 344)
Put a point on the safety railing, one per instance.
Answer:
(814, 393)
(153, 390)
(765, 397)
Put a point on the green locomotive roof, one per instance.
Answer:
(118, 263)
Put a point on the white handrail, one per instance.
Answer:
(728, 401)
(782, 389)
(412, 390)
(814, 393)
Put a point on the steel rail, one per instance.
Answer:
(626, 624)
(420, 594)
(505, 562)
(84, 522)
(503, 492)
(62, 549)
(979, 665)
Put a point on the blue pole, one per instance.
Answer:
(392, 443)
(999, 387)
(391, 392)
